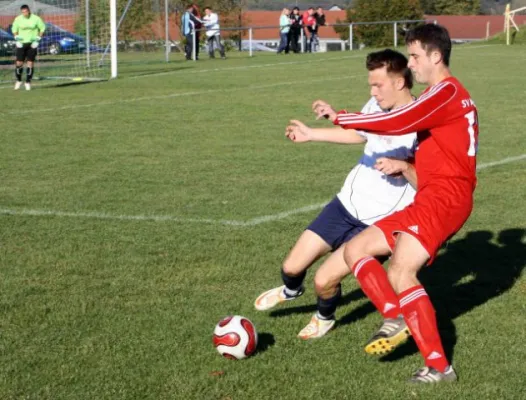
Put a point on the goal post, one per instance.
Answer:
(509, 21)
(89, 40)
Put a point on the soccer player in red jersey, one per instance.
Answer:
(445, 119)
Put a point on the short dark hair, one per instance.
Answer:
(311, 8)
(433, 37)
(189, 6)
(395, 63)
(296, 8)
(24, 7)
(208, 8)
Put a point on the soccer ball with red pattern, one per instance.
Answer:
(235, 337)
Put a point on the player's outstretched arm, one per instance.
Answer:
(427, 112)
(298, 132)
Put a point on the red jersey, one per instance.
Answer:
(308, 20)
(445, 119)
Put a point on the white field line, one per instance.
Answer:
(244, 67)
(180, 94)
(268, 65)
(170, 218)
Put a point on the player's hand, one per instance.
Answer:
(298, 132)
(323, 110)
(18, 38)
(37, 39)
(391, 166)
(34, 44)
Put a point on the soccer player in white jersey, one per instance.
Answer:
(382, 182)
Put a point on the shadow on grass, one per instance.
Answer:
(470, 272)
(265, 341)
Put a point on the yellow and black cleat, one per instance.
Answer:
(392, 333)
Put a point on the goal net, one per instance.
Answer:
(76, 43)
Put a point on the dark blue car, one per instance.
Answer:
(59, 41)
(7, 44)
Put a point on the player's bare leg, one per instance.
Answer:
(307, 250)
(360, 255)
(19, 68)
(408, 258)
(327, 284)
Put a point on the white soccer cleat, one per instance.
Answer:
(18, 85)
(28, 86)
(316, 328)
(273, 297)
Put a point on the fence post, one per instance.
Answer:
(194, 44)
(302, 37)
(395, 29)
(351, 38)
(250, 42)
(166, 32)
(88, 42)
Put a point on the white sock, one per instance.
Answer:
(291, 292)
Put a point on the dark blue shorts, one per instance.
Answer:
(335, 225)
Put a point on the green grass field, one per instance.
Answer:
(119, 254)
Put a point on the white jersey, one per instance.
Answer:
(368, 194)
(211, 24)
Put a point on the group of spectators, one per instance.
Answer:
(191, 21)
(292, 23)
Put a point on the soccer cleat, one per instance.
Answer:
(27, 85)
(273, 297)
(18, 85)
(431, 375)
(316, 328)
(392, 333)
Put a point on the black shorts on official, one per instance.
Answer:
(336, 225)
(26, 53)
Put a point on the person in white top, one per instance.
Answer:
(213, 35)
(383, 181)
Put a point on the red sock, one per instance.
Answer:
(375, 284)
(420, 317)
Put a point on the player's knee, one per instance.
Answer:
(325, 285)
(291, 268)
(354, 251)
(401, 278)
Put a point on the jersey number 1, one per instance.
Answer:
(473, 145)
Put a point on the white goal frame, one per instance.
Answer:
(509, 21)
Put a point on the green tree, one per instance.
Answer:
(380, 10)
(456, 7)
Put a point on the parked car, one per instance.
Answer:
(7, 44)
(59, 41)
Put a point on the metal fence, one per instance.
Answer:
(350, 43)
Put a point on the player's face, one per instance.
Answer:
(420, 62)
(383, 88)
(208, 12)
(25, 12)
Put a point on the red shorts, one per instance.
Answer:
(437, 213)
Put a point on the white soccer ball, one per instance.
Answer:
(235, 337)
